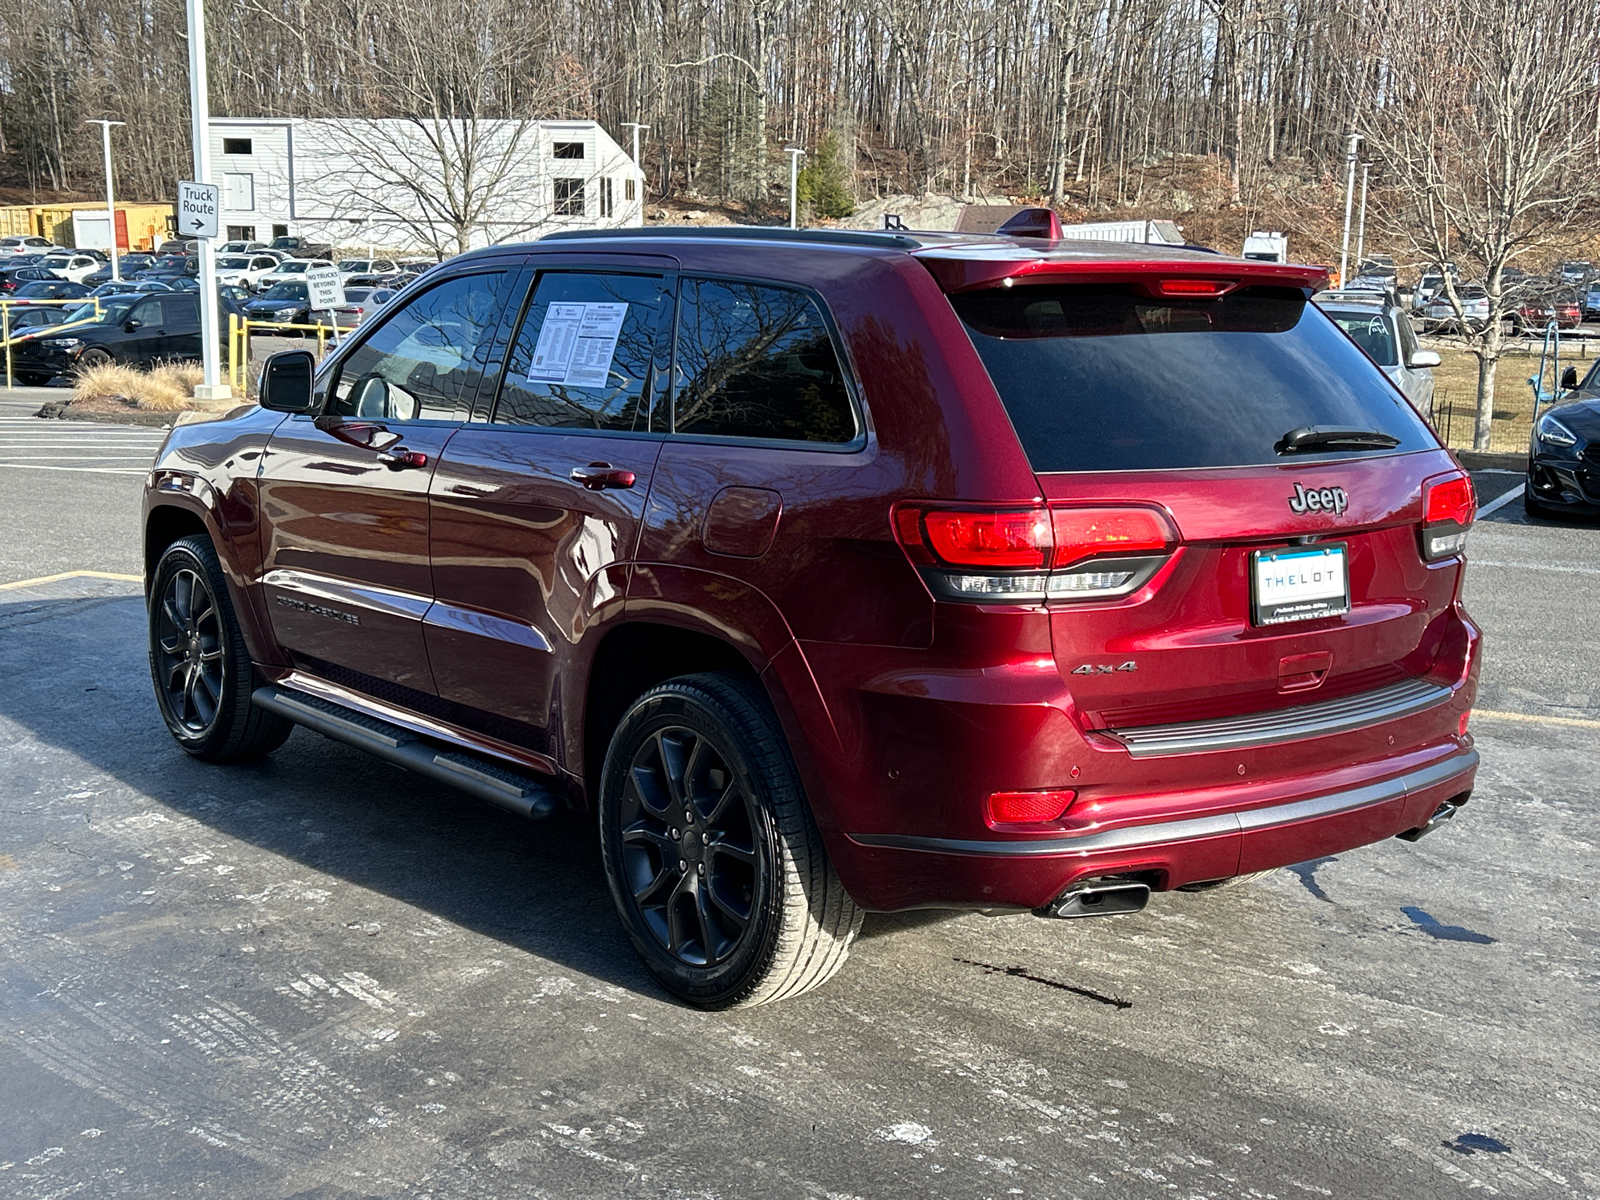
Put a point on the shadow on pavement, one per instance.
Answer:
(73, 673)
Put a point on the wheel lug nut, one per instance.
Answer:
(701, 868)
(682, 865)
(674, 834)
(688, 817)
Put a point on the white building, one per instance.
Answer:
(403, 185)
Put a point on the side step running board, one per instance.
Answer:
(477, 776)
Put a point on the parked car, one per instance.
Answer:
(28, 244)
(49, 289)
(1383, 330)
(1576, 272)
(359, 305)
(286, 303)
(382, 268)
(1440, 314)
(1534, 314)
(290, 270)
(128, 267)
(12, 278)
(37, 317)
(300, 247)
(1591, 302)
(172, 266)
(133, 330)
(241, 247)
(1564, 455)
(178, 247)
(245, 270)
(129, 287)
(76, 267)
(1380, 266)
(901, 588)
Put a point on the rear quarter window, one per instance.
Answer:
(1101, 378)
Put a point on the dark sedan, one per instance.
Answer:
(49, 289)
(287, 303)
(1564, 459)
(172, 266)
(128, 266)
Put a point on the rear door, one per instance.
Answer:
(1298, 575)
(536, 511)
(180, 334)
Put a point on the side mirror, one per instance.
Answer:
(1569, 378)
(1424, 358)
(285, 384)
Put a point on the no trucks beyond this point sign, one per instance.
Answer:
(198, 204)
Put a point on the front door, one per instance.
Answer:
(344, 495)
(536, 512)
(144, 331)
(180, 333)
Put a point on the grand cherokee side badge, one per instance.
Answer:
(1104, 668)
(1332, 500)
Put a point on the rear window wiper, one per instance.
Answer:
(1329, 437)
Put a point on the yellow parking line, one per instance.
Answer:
(22, 583)
(1530, 719)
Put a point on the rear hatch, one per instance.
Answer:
(1296, 566)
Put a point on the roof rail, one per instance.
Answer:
(748, 233)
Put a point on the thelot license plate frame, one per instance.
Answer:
(1299, 583)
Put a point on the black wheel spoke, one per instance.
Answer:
(170, 645)
(671, 770)
(740, 919)
(677, 936)
(170, 611)
(710, 939)
(722, 848)
(721, 806)
(642, 787)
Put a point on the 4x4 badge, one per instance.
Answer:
(1104, 668)
(1332, 500)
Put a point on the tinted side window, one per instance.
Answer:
(422, 363)
(582, 357)
(757, 362)
(182, 310)
(148, 312)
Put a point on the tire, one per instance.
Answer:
(199, 662)
(751, 911)
(93, 357)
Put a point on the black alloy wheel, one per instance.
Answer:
(187, 649)
(688, 846)
(200, 663)
(715, 864)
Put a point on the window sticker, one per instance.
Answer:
(577, 343)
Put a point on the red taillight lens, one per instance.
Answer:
(1195, 287)
(1018, 538)
(1029, 808)
(1081, 532)
(1449, 500)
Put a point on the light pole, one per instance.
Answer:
(795, 154)
(638, 168)
(1361, 225)
(1349, 196)
(200, 111)
(111, 204)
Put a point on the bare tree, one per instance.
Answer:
(1487, 131)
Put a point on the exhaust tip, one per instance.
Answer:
(1445, 812)
(1098, 898)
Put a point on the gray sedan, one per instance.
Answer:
(1384, 331)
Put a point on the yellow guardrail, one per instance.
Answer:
(239, 331)
(5, 321)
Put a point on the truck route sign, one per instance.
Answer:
(198, 207)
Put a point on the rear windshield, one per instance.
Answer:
(1102, 379)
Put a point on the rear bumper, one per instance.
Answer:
(1028, 874)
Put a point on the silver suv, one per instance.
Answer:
(1381, 327)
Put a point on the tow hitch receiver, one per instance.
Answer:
(1098, 898)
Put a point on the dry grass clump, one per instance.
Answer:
(167, 387)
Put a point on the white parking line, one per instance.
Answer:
(92, 470)
(1501, 501)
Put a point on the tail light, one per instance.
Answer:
(1026, 555)
(1448, 506)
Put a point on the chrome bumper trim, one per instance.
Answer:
(1284, 724)
(1131, 837)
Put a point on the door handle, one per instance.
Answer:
(597, 476)
(400, 458)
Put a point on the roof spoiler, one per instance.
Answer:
(1033, 223)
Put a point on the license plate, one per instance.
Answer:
(1299, 584)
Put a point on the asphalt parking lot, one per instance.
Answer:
(321, 977)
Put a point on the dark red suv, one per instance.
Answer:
(841, 571)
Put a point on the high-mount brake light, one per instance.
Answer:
(1195, 287)
(1026, 555)
(1029, 808)
(1448, 507)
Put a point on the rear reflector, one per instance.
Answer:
(1029, 808)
